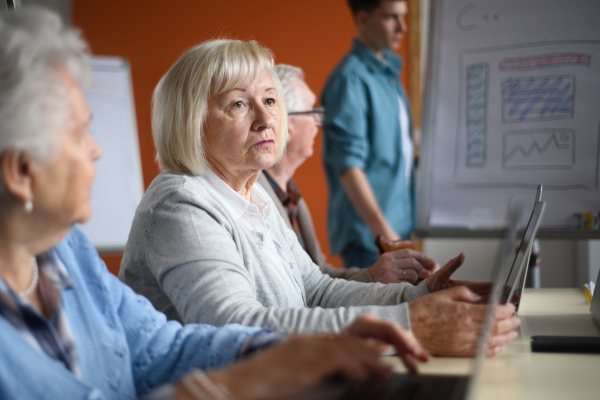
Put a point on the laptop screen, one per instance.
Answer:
(515, 280)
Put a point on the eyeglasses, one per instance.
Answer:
(318, 113)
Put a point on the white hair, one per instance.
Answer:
(180, 102)
(35, 49)
(289, 75)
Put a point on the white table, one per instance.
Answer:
(517, 373)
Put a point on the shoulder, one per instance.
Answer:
(169, 191)
(350, 76)
(76, 251)
(87, 270)
(350, 68)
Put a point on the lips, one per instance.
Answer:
(265, 142)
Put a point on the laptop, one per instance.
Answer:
(429, 386)
(517, 274)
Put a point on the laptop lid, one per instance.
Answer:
(517, 274)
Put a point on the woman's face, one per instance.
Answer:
(242, 131)
(63, 188)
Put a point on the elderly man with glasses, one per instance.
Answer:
(304, 119)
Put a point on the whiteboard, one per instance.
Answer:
(512, 100)
(119, 185)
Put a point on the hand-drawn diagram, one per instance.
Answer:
(552, 149)
(522, 107)
(511, 101)
(475, 114)
(537, 98)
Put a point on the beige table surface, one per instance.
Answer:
(517, 373)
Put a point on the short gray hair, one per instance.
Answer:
(288, 76)
(180, 101)
(35, 49)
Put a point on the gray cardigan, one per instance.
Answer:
(194, 263)
(309, 236)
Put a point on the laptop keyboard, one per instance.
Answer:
(410, 387)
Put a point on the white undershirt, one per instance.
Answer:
(407, 144)
(250, 213)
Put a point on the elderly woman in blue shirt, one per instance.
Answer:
(68, 328)
(207, 244)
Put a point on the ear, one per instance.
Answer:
(291, 130)
(17, 174)
(361, 17)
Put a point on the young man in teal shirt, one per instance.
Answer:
(368, 150)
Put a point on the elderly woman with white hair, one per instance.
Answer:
(208, 246)
(69, 328)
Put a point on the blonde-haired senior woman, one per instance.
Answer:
(71, 330)
(207, 244)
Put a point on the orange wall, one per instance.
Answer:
(312, 34)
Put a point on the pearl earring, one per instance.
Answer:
(29, 206)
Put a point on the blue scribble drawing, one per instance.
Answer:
(538, 149)
(537, 98)
(475, 113)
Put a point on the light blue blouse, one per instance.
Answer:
(125, 347)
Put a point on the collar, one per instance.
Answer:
(291, 195)
(392, 65)
(233, 202)
(53, 270)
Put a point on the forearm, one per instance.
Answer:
(359, 191)
(351, 274)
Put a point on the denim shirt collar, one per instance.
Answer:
(393, 65)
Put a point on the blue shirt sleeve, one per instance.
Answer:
(345, 126)
(160, 351)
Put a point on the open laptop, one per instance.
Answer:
(429, 386)
(517, 274)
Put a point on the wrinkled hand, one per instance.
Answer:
(406, 345)
(448, 322)
(441, 278)
(404, 265)
(301, 362)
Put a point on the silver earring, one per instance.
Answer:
(29, 206)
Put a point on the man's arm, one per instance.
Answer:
(359, 191)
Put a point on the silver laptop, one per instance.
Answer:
(517, 274)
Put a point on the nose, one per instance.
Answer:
(263, 118)
(96, 150)
(402, 26)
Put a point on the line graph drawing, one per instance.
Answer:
(538, 149)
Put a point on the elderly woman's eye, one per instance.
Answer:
(270, 101)
(238, 104)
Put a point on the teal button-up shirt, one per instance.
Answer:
(362, 129)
